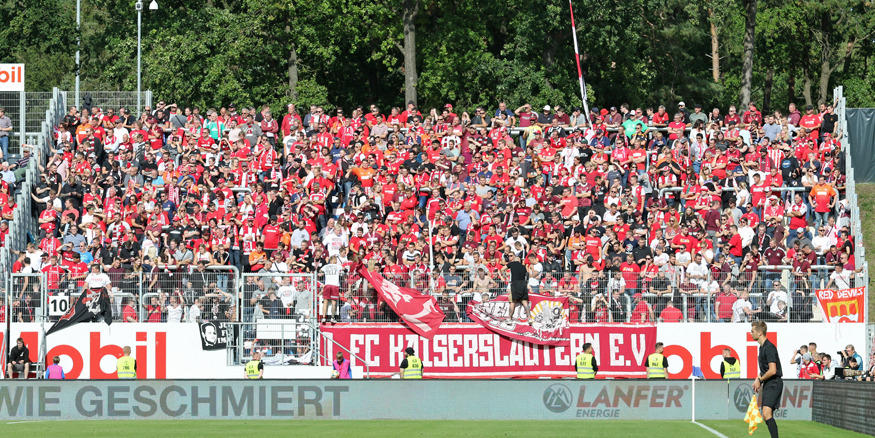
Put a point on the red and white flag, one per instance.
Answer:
(549, 325)
(845, 305)
(420, 312)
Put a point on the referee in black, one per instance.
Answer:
(519, 289)
(770, 376)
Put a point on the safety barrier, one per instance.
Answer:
(854, 222)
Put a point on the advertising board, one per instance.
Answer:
(162, 351)
(688, 345)
(531, 399)
(11, 77)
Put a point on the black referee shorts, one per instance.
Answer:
(771, 393)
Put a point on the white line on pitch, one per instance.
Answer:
(22, 422)
(709, 429)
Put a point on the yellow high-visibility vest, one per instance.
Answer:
(732, 371)
(655, 369)
(252, 369)
(126, 368)
(414, 368)
(584, 366)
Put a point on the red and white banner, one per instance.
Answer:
(845, 305)
(420, 312)
(549, 319)
(472, 351)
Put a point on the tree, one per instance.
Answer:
(842, 27)
(750, 9)
(411, 11)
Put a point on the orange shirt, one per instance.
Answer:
(822, 195)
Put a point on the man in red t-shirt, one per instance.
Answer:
(671, 313)
(630, 271)
(271, 234)
(723, 305)
(642, 312)
(812, 122)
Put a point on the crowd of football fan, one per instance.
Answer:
(654, 205)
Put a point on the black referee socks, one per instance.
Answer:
(773, 427)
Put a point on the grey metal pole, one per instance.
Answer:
(78, 44)
(22, 124)
(139, 7)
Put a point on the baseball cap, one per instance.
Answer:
(637, 295)
(632, 113)
(800, 230)
(447, 106)
(409, 350)
(547, 108)
(681, 103)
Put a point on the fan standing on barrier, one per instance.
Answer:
(97, 281)
(331, 290)
(769, 379)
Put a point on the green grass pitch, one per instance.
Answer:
(407, 429)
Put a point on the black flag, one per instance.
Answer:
(214, 335)
(89, 307)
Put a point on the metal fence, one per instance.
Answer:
(855, 222)
(276, 296)
(33, 104)
(281, 342)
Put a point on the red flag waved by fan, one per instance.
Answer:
(419, 311)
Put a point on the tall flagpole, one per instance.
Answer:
(579, 71)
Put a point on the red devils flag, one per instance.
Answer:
(549, 324)
(420, 312)
(91, 306)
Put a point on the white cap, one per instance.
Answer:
(681, 104)
(632, 113)
(546, 107)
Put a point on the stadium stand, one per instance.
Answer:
(640, 215)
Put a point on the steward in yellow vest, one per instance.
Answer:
(411, 366)
(585, 364)
(254, 369)
(730, 368)
(657, 365)
(126, 366)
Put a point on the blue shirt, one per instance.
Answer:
(464, 218)
(170, 208)
(85, 257)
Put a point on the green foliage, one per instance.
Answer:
(641, 52)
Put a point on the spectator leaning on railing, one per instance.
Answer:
(619, 196)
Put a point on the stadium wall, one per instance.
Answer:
(843, 404)
(173, 351)
(390, 399)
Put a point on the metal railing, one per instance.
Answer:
(276, 296)
(263, 299)
(281, 342)
(855, 222)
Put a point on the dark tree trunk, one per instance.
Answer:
(411, 10)
(293, 73)
(750, 23)
(767, 92)
(715, 49)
